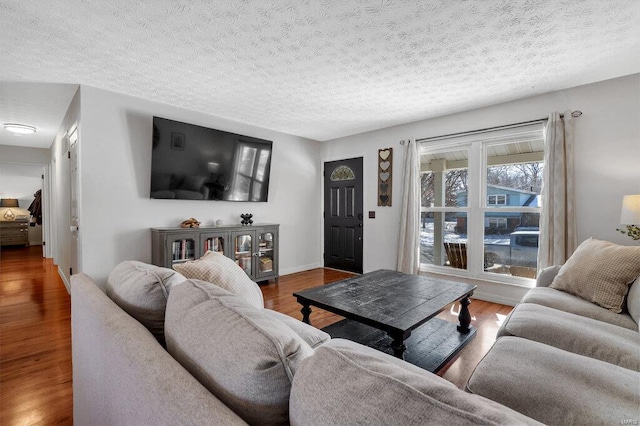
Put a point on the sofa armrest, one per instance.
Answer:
(121, 374)
(546, 276)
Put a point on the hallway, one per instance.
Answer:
(35, 340)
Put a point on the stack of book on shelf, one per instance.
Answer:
(214, 244)
(183, 250)
(266, 264)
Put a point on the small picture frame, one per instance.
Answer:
(177, 141)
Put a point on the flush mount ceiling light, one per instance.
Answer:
(19, 128)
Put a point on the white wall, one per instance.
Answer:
(60, 190)
(116, 212)
(607, 161)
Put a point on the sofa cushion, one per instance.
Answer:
(555, 386)
(566, 302)
(600, 272)
(141, 290)
(633, 301)
(220, 270)
(313, 336)
(345, 383)
(243, 356)
(573, 333)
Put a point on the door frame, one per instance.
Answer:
(323, 161)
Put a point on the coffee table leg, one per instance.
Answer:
(465, 316)
(306, 312)
(398, 345)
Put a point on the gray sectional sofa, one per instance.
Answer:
(153, 346)
(561, 359)
(229, 362)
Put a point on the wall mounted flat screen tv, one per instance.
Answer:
(190, 162)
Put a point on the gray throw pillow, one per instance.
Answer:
(243, 356)
(141, 290)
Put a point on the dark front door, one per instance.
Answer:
(343, 218)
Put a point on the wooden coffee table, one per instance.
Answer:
(394, 312)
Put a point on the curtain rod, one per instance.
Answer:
(574, 114)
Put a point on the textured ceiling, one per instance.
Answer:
(318, 68)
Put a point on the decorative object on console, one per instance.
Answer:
(385, 176)
(190, 223)
(630, 216)
(9, 215)
(219, 222)
(246, 219)
(7, 204)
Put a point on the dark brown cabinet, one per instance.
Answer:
(14, 232)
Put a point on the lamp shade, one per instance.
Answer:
(630, 214)
(9, 202)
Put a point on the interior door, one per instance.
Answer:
(343, 218)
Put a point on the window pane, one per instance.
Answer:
(511, 249)
(262, 164)
(443, 239)
(514, 174)
(444, 179)
(247, 160)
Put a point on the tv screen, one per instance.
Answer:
(190, 162)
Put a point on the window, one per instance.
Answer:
(497, 222)
(481, 201)
(498, 200)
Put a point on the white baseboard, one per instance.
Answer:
(297, 269)
(495, 298)
(64, 280)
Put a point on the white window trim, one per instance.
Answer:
(477, 145)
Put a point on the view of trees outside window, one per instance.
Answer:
(510, 212)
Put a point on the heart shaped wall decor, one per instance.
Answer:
(385, 154)
(384, 165)
(384, 176)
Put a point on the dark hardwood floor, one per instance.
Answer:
(35, 340)
(35, 334)
(485, 316)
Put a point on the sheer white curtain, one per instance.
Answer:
(557, 218)
(409, 238)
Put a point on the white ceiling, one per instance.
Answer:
(314, 68)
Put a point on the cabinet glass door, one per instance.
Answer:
(265, 253)
(183, 249)
(243, 254)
